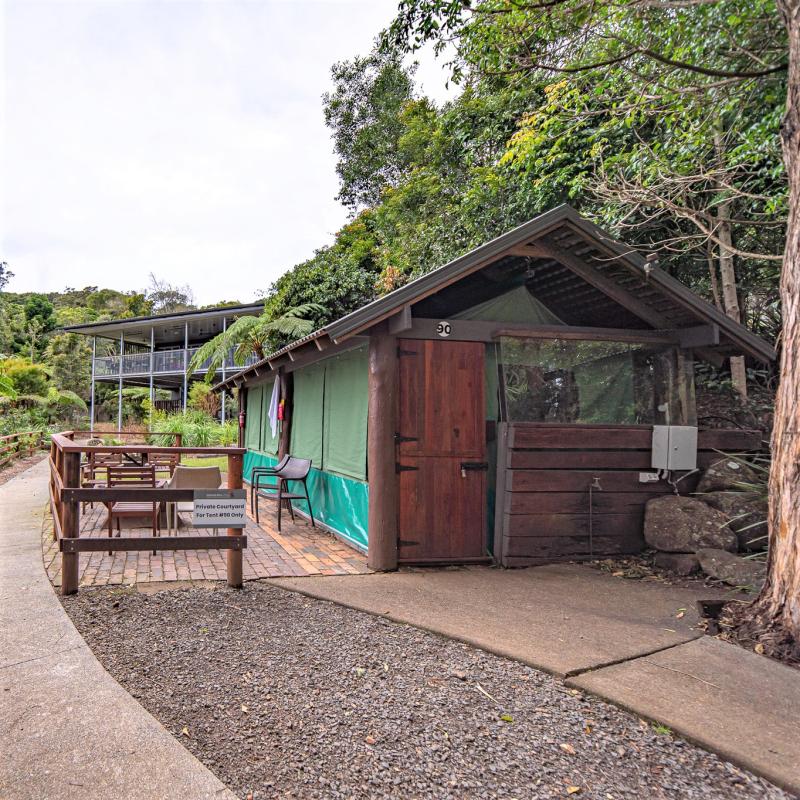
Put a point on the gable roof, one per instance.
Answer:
(569, 256)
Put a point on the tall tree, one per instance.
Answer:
(164, 297)
(778, 608)
(5, 275)
(363, 111)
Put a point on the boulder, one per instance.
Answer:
(732, 569)
(726, 473)
(678, 563)
(684, 525)
(746, 513)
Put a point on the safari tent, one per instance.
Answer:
(505, 407)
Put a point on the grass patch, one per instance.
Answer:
(196, 461)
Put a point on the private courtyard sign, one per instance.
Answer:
(219, 508)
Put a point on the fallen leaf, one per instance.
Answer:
(573, 789)
(680, 615)
(759, 648)
(360, 671)
(185, 731)
(370, 740)
(245, 709)
(567, 748)
(506, 718)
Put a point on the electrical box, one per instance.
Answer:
(674, 447)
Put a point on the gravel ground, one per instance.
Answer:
(284, 696)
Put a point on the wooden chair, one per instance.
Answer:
(132, 477)
(94, 471)
(190, 478)
(294, 471)
(165, 463)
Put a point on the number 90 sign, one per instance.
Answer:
(443, 329)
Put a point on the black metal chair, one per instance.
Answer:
(264, 472)
(294, 471)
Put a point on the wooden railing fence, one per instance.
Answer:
(67, 494)
(16, 445)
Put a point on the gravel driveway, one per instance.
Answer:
(284, 696)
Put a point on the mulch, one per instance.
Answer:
(742, 624)
(283, 695)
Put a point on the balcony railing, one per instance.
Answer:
(164, 362)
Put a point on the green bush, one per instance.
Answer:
(197, 429)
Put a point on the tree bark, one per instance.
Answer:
(779, 603)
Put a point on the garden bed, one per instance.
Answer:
(282, 695)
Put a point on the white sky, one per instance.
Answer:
(177, 137)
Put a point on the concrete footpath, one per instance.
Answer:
(67, 728)
(634, 644)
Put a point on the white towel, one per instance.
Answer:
(273, 407)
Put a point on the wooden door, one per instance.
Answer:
(441, 452)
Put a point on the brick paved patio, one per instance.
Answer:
(299, 550)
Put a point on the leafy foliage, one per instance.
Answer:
(249, 336)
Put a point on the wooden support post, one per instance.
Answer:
(381, 428)
(287, 383)
(70, 524)
(53, 493)
(234, 557)
(242, 398)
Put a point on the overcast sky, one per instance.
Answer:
(177, 137)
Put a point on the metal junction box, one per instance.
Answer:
(674, 447)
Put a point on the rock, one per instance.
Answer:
(684, 525)
(678, 563)
(725, 566)
(746, 513)
(727, 473)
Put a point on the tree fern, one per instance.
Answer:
(249, 336)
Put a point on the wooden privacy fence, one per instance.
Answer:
(572, 492)
(19, 444)
(67, 494)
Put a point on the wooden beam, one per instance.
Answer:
(381, 427)
(528, 251)
(321, 345)
(96, 544)
(591, 334)
(484, 331)
(604, 284)
(699, 336)
(401, 321)
(287, 386)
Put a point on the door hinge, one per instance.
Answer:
(399, 438)
(477, 466)
(401, 352)
(406, 542)
(398, 468)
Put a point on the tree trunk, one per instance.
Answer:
(779, 603)
(712, 272)
(727, 271)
